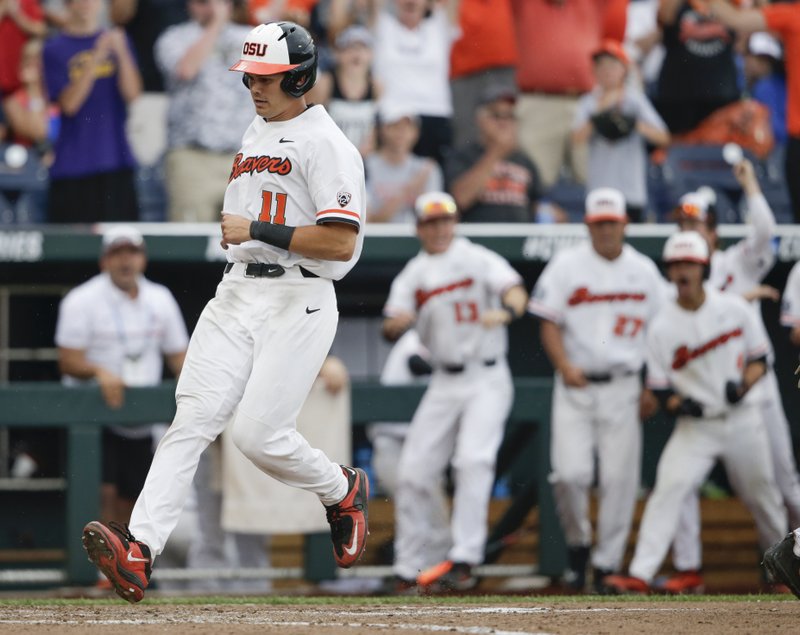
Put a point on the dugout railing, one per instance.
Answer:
(82, 413)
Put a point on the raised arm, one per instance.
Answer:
(741, 20)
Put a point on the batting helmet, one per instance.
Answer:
(686, 247)
(280, 47)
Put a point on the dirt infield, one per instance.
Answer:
(497, 616)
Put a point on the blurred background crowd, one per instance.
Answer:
(124, 110)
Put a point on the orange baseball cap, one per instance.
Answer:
(612, 48)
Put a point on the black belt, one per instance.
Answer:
(454, 369)
(267, 270)
(604, 378)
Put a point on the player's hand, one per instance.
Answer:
(495, 317)
(112, 388)
(396, 325)
(762, 292)
(333, 374)
(688, 407)
(746, 176)
(734, 391)
(648, 404)
(235, 230)
(573, 377)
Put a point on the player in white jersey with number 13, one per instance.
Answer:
(292, 224)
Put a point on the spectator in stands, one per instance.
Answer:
(484, 56)
(698, 75)
(263, 11)
(412, 62)
(766, 80)
(344, 13)
(395, 175)
(113, 330)
(643, 41)
(91, 74)
(784, 20)
(32, 122)
(144, 21)
(556, 39)
(20, 20)
(493, 181)
(209, 108)
(616, 120)
(349, 92)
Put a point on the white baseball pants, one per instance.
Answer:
(687, 549)
(461, 416)
(600, 421)
(740, 442)
(255, 346)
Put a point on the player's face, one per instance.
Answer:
(436, 234)
(269, 99)
(687, 278)
(124, 265)
(607, 237)
(609, 72)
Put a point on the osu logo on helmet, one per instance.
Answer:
(254, 48)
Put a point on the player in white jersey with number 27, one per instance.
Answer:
(292, 223)
(596, 300)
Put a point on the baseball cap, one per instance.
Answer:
(389, 113)
(761, 43)
(612, 48)
(498, 92)
(693, 205)
(122, 236)
(355, 34)
(604, 204)
(686, 247)
(435, 205)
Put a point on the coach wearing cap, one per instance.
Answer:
(114, 330)
(595, 301)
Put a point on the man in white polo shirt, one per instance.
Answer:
(115, 330)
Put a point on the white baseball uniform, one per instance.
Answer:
(790, 306)
(261, 341)
(603, 309)
(738, 269)
(461, 418)
(695, 353)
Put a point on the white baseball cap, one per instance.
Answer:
(354, 34)
(693, 205)
(435, 205)
(686, 247)
(122, 236)
(762, 43)
(605, 204)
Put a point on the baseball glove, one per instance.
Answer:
(612, 124)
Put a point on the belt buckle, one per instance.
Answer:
(249, 275)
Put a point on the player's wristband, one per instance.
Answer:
(272, 234)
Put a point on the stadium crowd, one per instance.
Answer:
(125, 110)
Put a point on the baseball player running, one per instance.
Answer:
(292, 221)
(739, 269)
(705, 351)
(461, 296)
(596, 301)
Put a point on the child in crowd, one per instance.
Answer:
(616, 120)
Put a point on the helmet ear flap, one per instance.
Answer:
(246, 80)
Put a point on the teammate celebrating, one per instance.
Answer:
(292, 221)
(705, 351)
(461, 296)
(739, 269)
(596, 301)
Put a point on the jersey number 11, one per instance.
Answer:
(276, 216)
